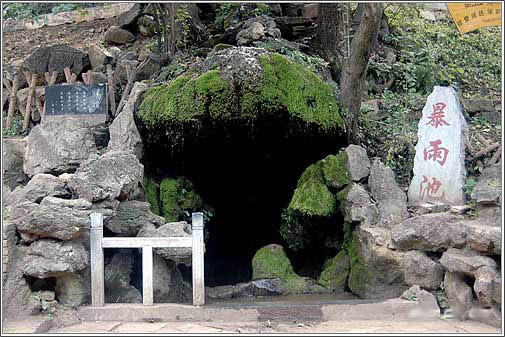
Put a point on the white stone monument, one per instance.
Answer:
(439, 164)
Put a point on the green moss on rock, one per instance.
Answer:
(335, 172)
(271, 262)
(335, 272)
(178, 200)
(276, 87)
(312, 197)
(358, 274)
(151, 194)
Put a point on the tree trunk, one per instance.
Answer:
(329, 37)
(354, 68)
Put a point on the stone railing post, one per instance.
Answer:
(197, 256)
(97, 262)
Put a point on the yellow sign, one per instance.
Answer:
(469, 16)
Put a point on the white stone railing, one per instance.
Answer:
(98, 243)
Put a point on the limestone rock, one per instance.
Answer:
(383, 184)
(74, 289)
(131, 216)
(357, 162)
(257, 28)
(117, 277)
(484, 285)
(421, 270)
(118, 35)
(39, 187)
(167, 281)
(357, 205)
(491, 316)
(428, 306)
(261, 287)
(15, 286)
(114, 175)
(51, 258)
(484, 239)
(13, 151)
(124, 134)
(489, 216)
(58, 147)
(310, 11)
(430, 232)
(56, 58)
(467, 262)
(171, 229)
(148, 68)
(391, 212)
(489, 186)
(99, 56)
(376, 271)
(128, 17)
(459, 294)
(56, 218)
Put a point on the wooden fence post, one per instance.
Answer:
(197, 256)
(97, 262)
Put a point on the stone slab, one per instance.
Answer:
(439, 163)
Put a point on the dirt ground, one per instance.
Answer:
(364, 326)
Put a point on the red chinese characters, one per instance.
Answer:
(430, 189)
(436, 153)
(436, 118)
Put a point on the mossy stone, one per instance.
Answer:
(151, 194)
(358, 275)
(335, 272)
(312, 197)
(271, 262)
(335, 170)
(281, 89)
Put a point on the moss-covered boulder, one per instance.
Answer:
(271, 262)
(335, 272)
(240, 86)
(335, 170)
(178, 199)
(314, 203)
(312, 196)
(376, 271)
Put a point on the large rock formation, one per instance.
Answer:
(13, 152)
(131, 216)
(124, 135)
(58, 147)
(171, 229)
(114, 175)
(51, 258)
(117, 274)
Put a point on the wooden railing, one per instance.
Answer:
(98, 243)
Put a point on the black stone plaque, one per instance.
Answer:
(76, 100)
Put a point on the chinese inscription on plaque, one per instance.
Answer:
(76, 100)
(439, 171)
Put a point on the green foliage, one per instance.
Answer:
(16, 127)
(468, 188)
(151, 194)
(435, 53)
(223, 10)
(178, 200)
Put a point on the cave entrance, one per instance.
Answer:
(248, 177)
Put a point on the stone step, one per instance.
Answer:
(252, 312)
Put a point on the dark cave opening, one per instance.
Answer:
(248, 175)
